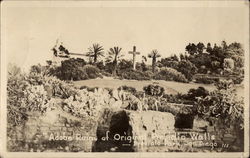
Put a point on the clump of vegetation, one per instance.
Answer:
(127, 89)
(170, 74)
(135, 75)
(91, 71)
(187, 69)
(193, 94)
(223, 109)
(206, 79)
(154, 90)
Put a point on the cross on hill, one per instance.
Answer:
(134, 54)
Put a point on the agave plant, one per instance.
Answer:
(154, 55)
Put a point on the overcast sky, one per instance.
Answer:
(30, 31)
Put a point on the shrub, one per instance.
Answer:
(91, 71)
(25, 94)
(170, 74)
(134, 75)
(149, 73)
(187, 69)
(224, 110)
(124, 65)
(154, 90)
(206, 80)
(238, 80)
(128, 89)
(178, 99)
(199, 92)
(104, 73)
(90, 89)
(75, 69)
(171, 98)
(72, 69)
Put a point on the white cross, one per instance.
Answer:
(134, 54)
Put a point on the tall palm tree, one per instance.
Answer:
(95, 51)
(154, 54)
(114, 55)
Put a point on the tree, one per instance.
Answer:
(200, 47)
(95, 51)
(191, 49)
(154, 55)
(114, 56)
(228, 65)
(187, 68)
(236, 52)
(209, 48)
(168, 62)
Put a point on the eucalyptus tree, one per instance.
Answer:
(154, 55)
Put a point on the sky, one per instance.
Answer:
(30, 31)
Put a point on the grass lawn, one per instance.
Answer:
(171, 87)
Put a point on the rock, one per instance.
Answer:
(150, 127)
(200, 124)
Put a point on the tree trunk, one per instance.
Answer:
(153, 64)
(114, 68)
(95, 58)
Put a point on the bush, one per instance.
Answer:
(104, 73)
(124, 65)
(72, 69)
(187, 69)
(149, 73)
(170, 74)
(199, 92)
(25, 94)
(224, 110)
(128, 89)
(90, 89)
(238, 80)
(91, 71)
(134, 75)
(75, 69)
(178, 99)
(206, 80)
(154, 90)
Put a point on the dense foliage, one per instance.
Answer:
(127, 89)
(154, 90)
(223, 60)
(222, 104)
(170, 74)
(131, 74)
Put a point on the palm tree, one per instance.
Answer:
(95, 51)
(114, 56)
(154, 54)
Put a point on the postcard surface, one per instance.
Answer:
(125, 78)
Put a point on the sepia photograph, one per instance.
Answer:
(110, 78)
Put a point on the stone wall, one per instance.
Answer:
(54, 131)
(116, 130)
